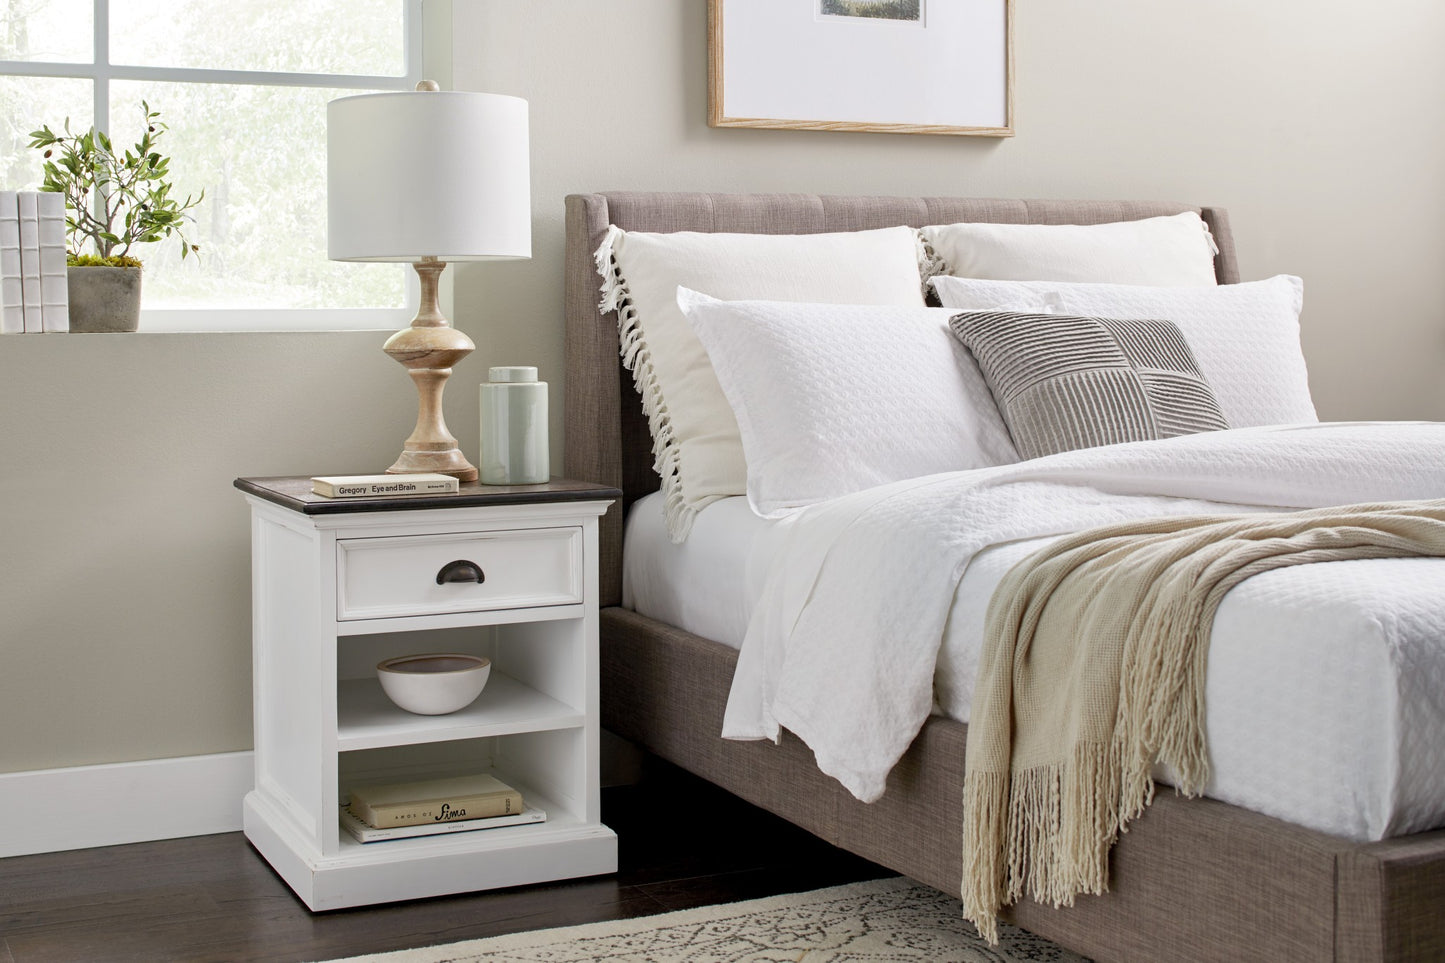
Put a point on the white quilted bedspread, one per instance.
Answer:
(843, 644)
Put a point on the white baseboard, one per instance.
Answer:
(48, 810)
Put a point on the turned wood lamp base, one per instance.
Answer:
(428, 350)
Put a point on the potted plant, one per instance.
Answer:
(111, 202)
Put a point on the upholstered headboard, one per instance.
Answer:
(607, 439)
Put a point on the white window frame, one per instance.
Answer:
(100, 71)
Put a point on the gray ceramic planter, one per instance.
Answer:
(104, 298)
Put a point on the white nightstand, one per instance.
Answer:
(338, 585)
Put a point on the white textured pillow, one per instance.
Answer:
(695, 442)
(1176, 251)
(1244, 336)
(832, 399)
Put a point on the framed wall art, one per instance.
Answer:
(897, 66)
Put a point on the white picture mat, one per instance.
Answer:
(783, 61)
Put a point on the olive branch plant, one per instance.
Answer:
(114, 201)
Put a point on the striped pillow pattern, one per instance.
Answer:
(1065, 382)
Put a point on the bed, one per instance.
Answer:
(1194, 878)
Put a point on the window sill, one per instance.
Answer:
(241, 320)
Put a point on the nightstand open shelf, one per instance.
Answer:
(367, 719)
(335, 585)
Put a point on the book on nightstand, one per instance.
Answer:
(368, 834)
(433, 801)
(360, 486)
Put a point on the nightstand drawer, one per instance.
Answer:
(381, 578)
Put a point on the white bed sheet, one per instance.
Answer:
(1313, 713)
(708, 584)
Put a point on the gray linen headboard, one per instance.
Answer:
(607, 440)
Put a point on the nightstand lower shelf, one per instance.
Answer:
(362, 874)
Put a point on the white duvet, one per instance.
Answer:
(842, 646)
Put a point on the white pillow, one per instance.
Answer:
(832, 399)
(1176, 251)
(695, 443)
(1244, 336)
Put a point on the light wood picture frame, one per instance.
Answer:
(889, 66)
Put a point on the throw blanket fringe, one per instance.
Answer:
(1093, 670)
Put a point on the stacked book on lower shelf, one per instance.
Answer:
(431, 807)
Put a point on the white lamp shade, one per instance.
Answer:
(427, 174)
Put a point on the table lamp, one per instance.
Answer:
(428, 176)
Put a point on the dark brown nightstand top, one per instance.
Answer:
(294, 492)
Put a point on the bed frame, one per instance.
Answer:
(1192, 879)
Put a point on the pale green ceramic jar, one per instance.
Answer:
(514, 428)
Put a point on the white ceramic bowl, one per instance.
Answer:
(433, 684)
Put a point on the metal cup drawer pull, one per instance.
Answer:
(461, 571)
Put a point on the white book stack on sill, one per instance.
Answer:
(12, 302)
(34, 287)
(54, 286)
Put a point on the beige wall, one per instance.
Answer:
(1317, 124)
(124, 607)
(125, 599)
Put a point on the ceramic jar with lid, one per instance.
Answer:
(514, 428)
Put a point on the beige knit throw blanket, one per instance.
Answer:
(1093, 669)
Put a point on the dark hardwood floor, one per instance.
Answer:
(682, 843)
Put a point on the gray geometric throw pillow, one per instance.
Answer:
(1065, 382)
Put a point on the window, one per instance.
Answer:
(242, 87)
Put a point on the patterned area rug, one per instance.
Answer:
(877, 921)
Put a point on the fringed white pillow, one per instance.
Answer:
(695, 443)
(1171, 251)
